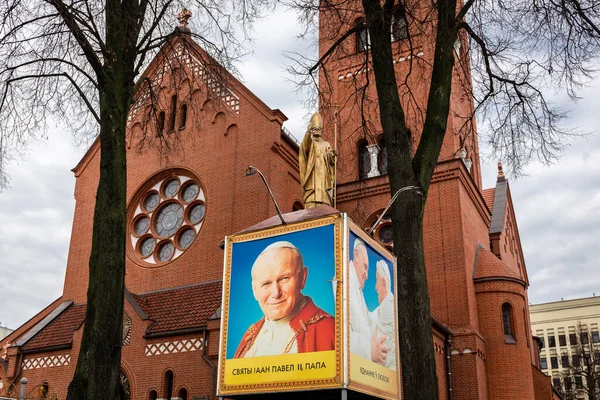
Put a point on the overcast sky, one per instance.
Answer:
(557, 207)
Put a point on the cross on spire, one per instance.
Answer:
(183, 17)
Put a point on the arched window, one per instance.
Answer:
(182, 394)
(508, 323)
(172, 115)
(125, 386)
(398, 26)
(297, 206)
(183, 117)
(363, 41)
(382, 157)
(364, 159)
(153, 395)
(168, 385)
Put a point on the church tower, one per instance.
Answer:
(458, 230)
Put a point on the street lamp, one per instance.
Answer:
(394, 197)
(253, 171)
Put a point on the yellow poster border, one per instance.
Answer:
(353, 384)
(337, 381)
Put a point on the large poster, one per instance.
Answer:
(281, 323)
(373, 361)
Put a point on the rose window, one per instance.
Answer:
(168, 216)
(383, 232)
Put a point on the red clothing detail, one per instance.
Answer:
(314, 331)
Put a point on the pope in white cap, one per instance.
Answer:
(292, 323)
(383, 315)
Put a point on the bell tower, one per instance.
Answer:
(349, 103)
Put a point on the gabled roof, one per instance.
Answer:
(171, 311)
(59, 332)
(488, 197)
(183, 308)
(488, 267)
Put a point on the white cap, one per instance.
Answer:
(358, 242)
(384, 272)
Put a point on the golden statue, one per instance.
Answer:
(317, 166)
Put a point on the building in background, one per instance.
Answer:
(4, 331)
(180, 208)
(569, 338)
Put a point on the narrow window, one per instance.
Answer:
(364, 159)
(578, 382)
(382, 157)
(160, 124)
(542, 342)
(584, 338)
(362, 37)
(44, 391)
(297, 206)
(152, 395)
(568, 384)
(168, 388)
(398, 26)
(551, 341)
(564, 360)
(576, 360)
(507, 323)
(595, 337)
(172, 115)
(562, 340)
(183, 117)
(554, 362)
(543, 363)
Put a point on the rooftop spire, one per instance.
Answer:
(183, 17)
(500, 172)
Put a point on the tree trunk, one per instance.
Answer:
(97, 375)
(417, 355)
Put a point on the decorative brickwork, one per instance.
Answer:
(46, 362)
(176, 346)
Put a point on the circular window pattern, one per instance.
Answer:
(151, 201)
(171, 187)
(168, 219)
(141, 225)
(167, 216)
(383, 232)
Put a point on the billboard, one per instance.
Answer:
(281, 323)
(308, 305)
(372, 358)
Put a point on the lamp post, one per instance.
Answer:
(253, 171)
(394, 197)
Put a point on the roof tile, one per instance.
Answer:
(490, 266)
(60, 331)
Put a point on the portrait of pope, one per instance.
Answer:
(291, 322)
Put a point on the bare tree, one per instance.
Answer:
(496, 55)
(581, 366)
(77, 61)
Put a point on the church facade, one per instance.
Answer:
(188, 149)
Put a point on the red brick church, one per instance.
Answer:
(184, 200)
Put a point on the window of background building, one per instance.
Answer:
(562, 340)
(554, 362)
(556, 383)
(543, 363)
(564, 360)
(551, 341)
(597, 360)
(542, 342)
(595, 337)
(576, 360)
(578, 382)
(572, 339)
(585, 339)
(568, 384)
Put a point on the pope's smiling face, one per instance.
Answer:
(278, 277)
